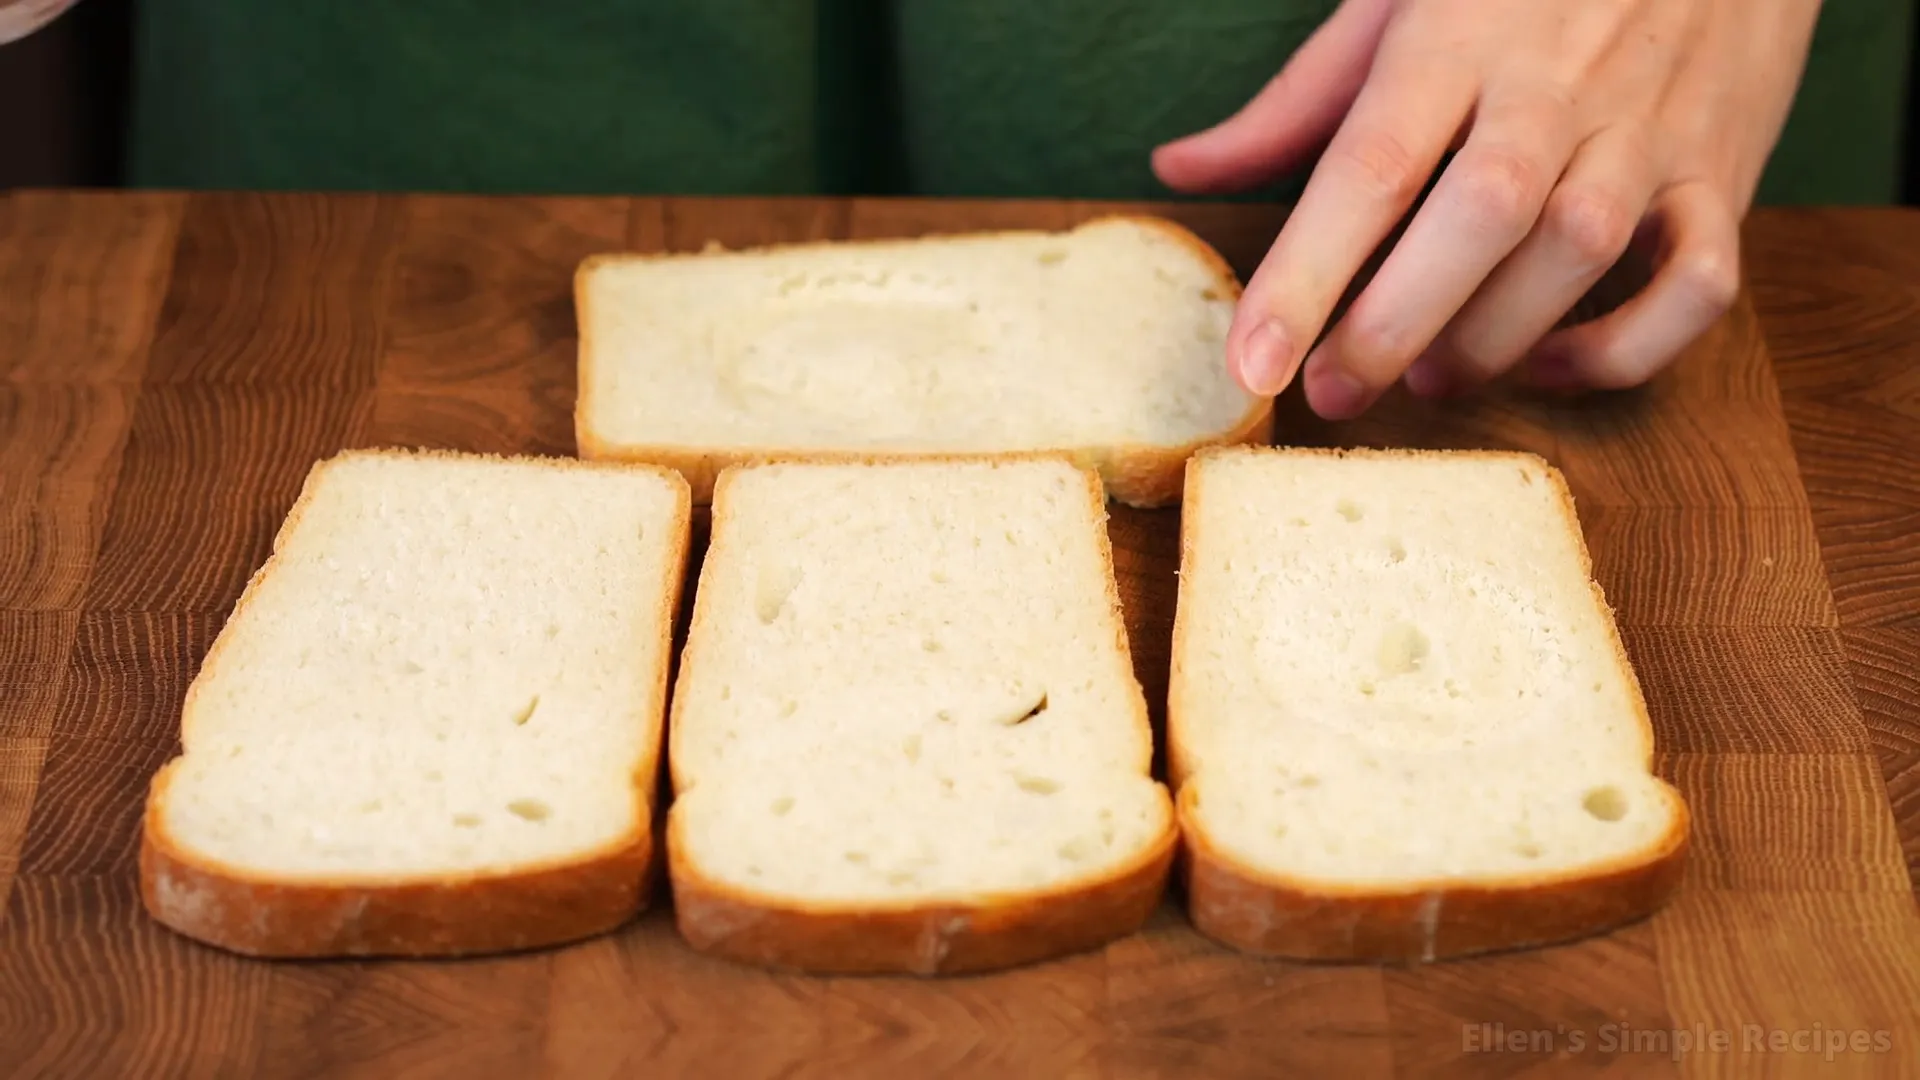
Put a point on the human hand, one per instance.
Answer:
(20, 18)
(1581, 126)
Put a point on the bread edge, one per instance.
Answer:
(948, 937)
(530, 906)
(1260, 912)
(1141, 475)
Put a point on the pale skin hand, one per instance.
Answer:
(1581, 126)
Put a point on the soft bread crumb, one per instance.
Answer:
(449, 667)
(829, 757)
(1392, 668)
(1107, 340)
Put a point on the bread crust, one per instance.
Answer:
(1256, 911)
(527, 906)
(1270, 915)
(1141, 475)
(961, 936)
(945, 937)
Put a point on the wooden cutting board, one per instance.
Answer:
(170, 367)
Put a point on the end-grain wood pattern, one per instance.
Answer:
(171, 365)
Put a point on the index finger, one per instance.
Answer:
(1402, 123)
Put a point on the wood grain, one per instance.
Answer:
(126, 674)
(272, 291)
(1751, 690)
(60, 448)
(33, 662)
(171, 366)
(1559, 1009)
(482, 323)
(21, 759)
(193, 518)
(1886, 677)
(1179, 1006)
(86, 808)
(1771, 822)
(92, 987)
(82, 275)
(1718, 566)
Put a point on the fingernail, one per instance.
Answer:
(1336, 395)
(1429, 377)
(1265, 359)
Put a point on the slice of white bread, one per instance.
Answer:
(906, 732)
(1401, 722)
(431, 725)
(1104, 342)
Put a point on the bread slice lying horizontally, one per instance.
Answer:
(1402, 726)
(431, 725)
(906, 733)
(1104, 342)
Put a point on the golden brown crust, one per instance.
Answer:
(944, 938)
(1271, 915)
(1264, 913)
(530, 906)
(454, 915)
(1138, 475)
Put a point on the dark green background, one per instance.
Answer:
(945, 97)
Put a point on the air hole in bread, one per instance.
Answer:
(1527, 850)
(1348, 509)
(1077, 849)
(1605, 803)
(467, 821)
(1526, 477)
(411, 668)
(775, 586)
(1396, 551)
(1297, 522)
(553, 631)
(911, 747)
(1308, 781)
(1052, 257)
(782, 805)
(1038, 785)
(857, 858)
(1403, 648)
(434, 776)
(526, 712)
(1015, 719)
(371, 806)
(944, 715)
(930, 644)
(788, 708)
(1367, 689)
(940, 577)
(530, 809)
(1211, 295)
(1452, 688)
